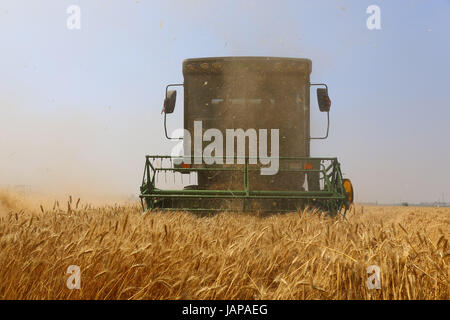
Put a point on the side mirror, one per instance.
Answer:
(169, 101)
(323, 99)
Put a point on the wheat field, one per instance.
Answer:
(124, 254)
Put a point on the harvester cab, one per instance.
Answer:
(246, 141)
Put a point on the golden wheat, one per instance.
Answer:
(124, 254)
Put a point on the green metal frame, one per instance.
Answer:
(331, 198)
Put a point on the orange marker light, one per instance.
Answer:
(308, 166)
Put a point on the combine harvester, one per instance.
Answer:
(244, 99)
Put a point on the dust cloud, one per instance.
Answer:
(57, 153)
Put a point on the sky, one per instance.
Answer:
(79, 109)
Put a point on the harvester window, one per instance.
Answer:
(242, 101)
(216, 101)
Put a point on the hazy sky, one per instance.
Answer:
(79, 109)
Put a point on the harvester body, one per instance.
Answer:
(261, 107)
